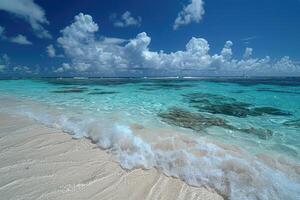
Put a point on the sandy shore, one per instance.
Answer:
(38, 162)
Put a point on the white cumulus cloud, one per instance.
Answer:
(193, 12)
(2, 67)
(2, 29)
(30, 12)
(51, 51)
(248, 53)
(4, 62)
(227, 51)
(21, 69)
(126, 20)
(63, 68)
(20, 39)
(94, 55)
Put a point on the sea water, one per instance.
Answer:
(239, 136)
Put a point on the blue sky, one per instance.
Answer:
(270, 29)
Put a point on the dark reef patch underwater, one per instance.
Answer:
(165, 85)
(218, 104)
(103, 93)
(293, 123)
(276, 91)
(198, 122)
(65, 90)
(91, 81)
(276, 81)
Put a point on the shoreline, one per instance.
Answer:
(38, 162)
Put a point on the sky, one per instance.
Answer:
(149, 38)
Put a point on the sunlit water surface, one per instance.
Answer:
(238, 136)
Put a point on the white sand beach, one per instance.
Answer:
(38, 162)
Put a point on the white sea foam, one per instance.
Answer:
(232, 173)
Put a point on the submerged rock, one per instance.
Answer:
(270, 111)
(233, 109)
(238, 91)
(147, 89)
(92, 81)
(293, 123)
(213, 98)
(218, 104)
(166, 85)
(261, 133)
(102, 93)
(195, 121)
(241, 110)
(276, 91)
(71, 90)
(198, 122)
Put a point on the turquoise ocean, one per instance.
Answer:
(239, 136)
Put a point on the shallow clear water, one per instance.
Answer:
(255, 123)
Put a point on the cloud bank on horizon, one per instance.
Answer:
(86, 52)
(90, 54)
(7, 67)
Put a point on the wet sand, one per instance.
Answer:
(38, 162)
